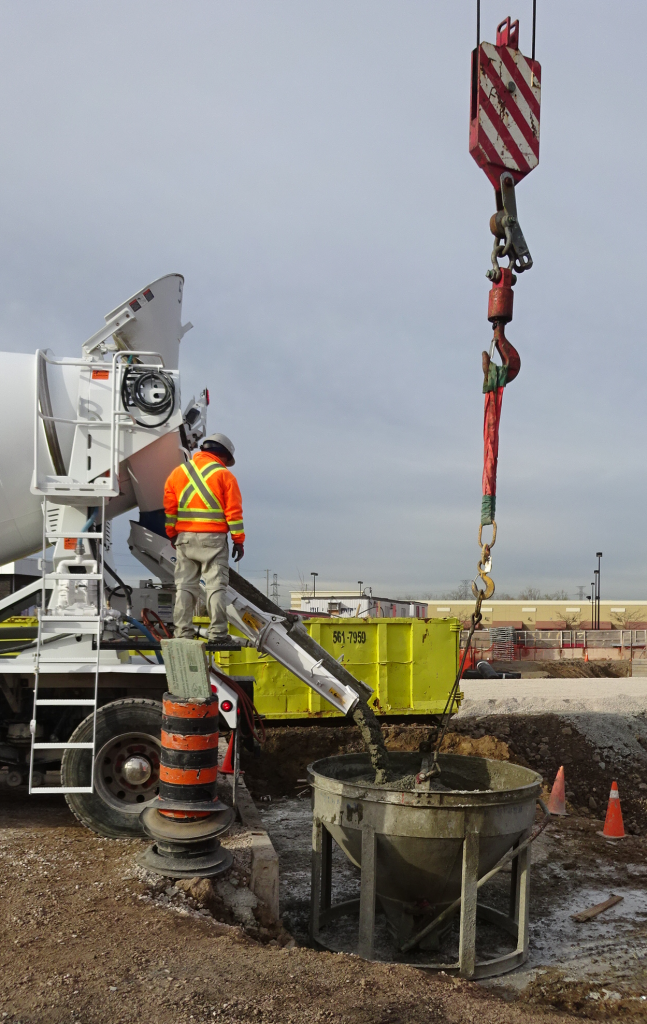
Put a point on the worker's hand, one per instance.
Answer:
(237, 552)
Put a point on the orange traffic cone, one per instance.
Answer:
(614, 826)
(228, 763)
(557, 799)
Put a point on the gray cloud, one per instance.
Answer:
(306, 167)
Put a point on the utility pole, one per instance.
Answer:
(580, 593)
(360, 584)
(275, 588)
(314, 583)
(598, 555)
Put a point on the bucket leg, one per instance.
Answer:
(513, 912)
(326, 869)
(367, 895)
(467, 942)
(317, 873)
(523, 899)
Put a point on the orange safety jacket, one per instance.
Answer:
(202, 496)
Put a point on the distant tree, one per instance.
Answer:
(571, 619)
(535, 594)
(627, 620)
(462, 593)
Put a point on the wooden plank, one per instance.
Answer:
(587, 915)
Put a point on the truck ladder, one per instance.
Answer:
(49, 625)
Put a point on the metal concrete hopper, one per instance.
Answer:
(420, 851)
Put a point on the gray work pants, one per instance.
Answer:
(203, 555)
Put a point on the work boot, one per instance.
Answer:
(223, 642)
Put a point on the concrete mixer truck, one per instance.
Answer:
(85, 440)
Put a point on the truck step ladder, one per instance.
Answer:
(50, 625)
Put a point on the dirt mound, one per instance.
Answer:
(546, 742)
(581, 669)
(481, 746)
(279, 768)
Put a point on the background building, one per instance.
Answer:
(349, 604)
(544, 614)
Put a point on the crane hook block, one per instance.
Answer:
(505, 100)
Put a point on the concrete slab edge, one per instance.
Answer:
(264, 881)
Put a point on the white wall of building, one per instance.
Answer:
(349, 605)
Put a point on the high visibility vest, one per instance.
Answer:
(197, 485)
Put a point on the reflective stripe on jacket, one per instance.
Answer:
(202, 496)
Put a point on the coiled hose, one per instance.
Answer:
(133, 393)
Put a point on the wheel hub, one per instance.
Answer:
(136, 770)
(127, 771)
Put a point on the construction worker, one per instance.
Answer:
(202, 504)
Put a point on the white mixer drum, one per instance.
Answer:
(21, 522)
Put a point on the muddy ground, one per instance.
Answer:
(597, 970)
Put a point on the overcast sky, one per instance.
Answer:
(305, 165)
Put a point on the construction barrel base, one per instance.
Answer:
(206, 859)
(187, 817)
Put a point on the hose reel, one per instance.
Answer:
(151, 392)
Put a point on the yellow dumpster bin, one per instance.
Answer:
(410, 664)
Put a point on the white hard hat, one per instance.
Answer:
(224, 441)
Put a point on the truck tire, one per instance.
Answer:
(128, 737)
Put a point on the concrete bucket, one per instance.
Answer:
(422, 851)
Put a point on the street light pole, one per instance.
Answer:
(314, 583)
(360, 584)
(598, 555)
(596, 576)
(592, 600)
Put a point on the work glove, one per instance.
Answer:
(238, 551)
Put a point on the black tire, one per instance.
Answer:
(139, 722)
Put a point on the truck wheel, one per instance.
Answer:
(126, 767)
